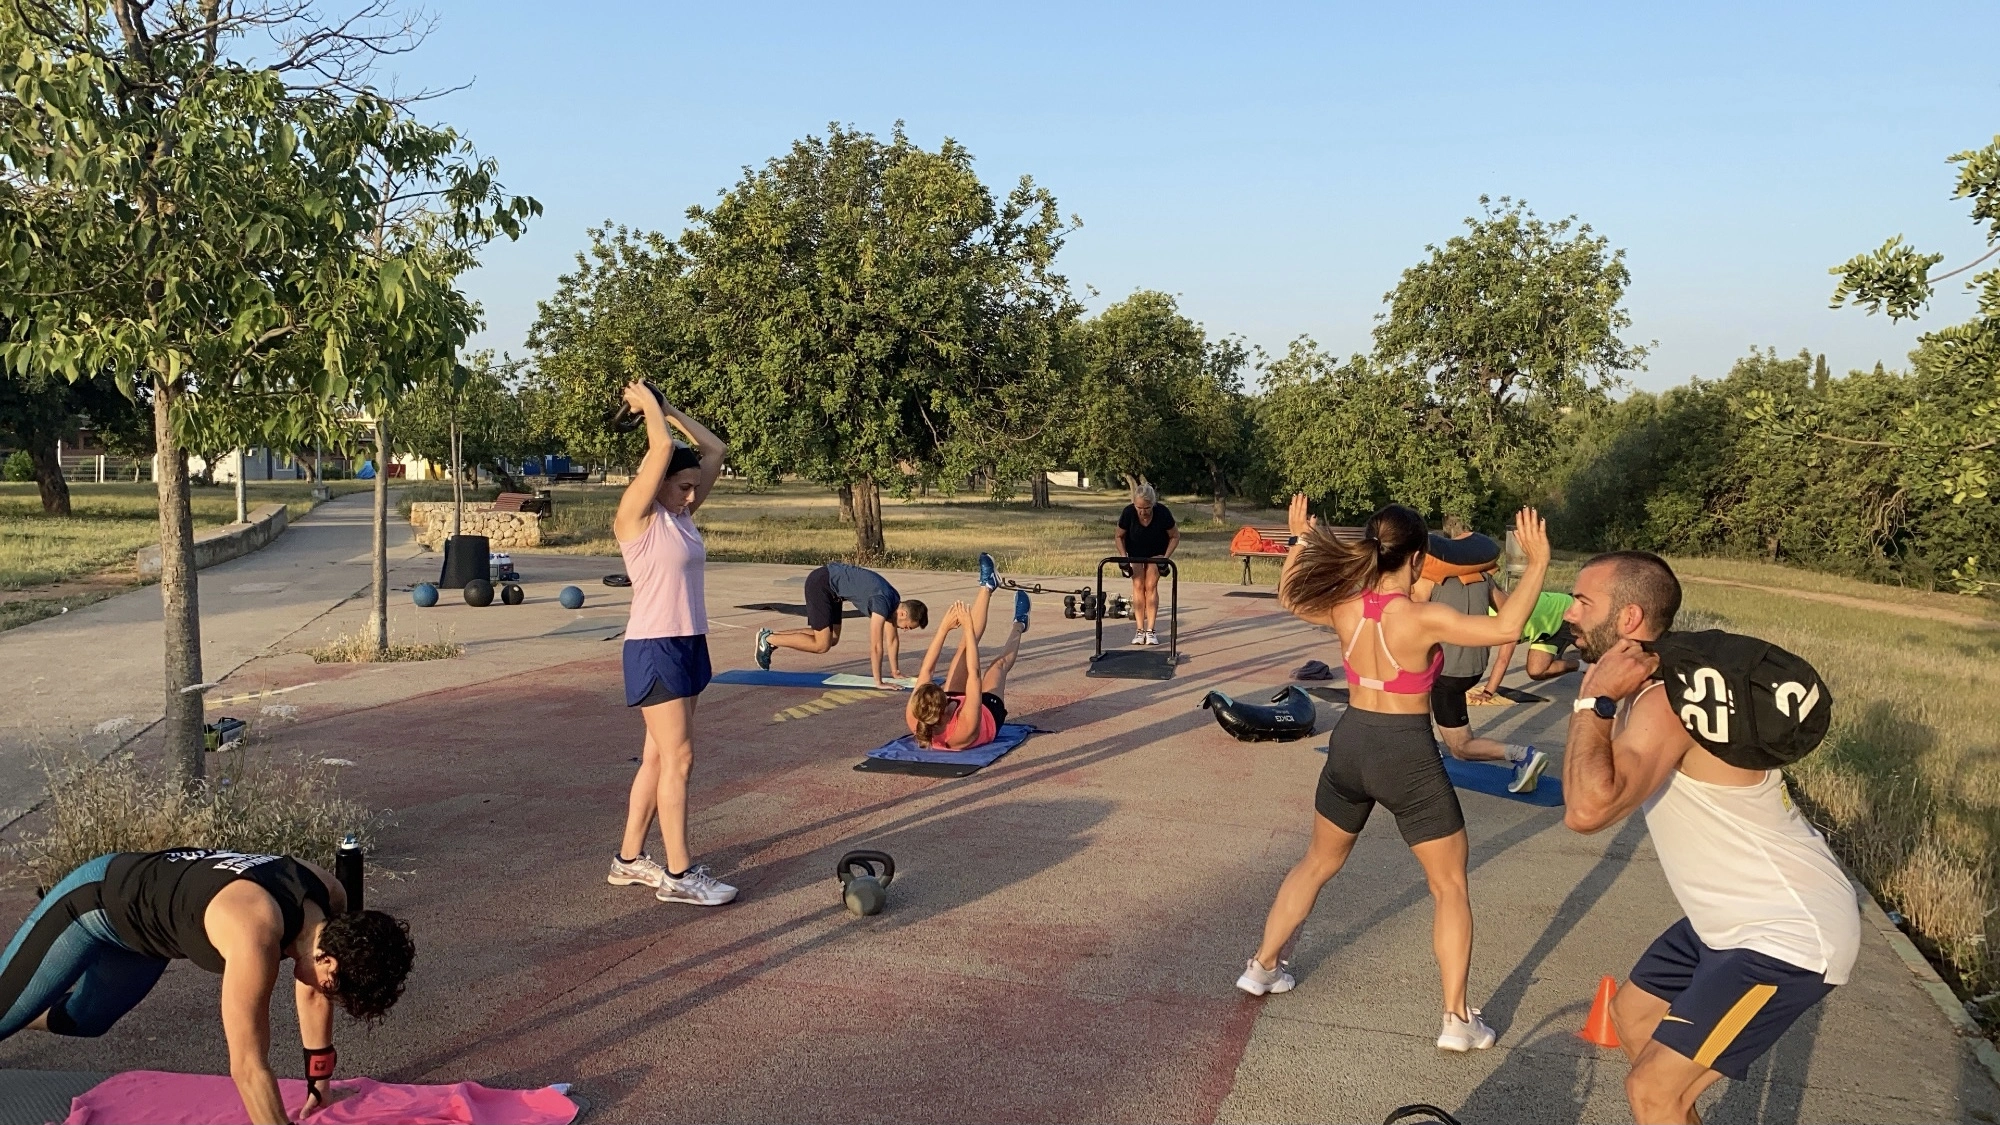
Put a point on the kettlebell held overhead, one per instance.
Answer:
(864, 877)
(622, 419)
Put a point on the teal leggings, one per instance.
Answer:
(67, 961)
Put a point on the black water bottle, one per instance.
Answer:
(347, 869)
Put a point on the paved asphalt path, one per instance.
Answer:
(1063, 934)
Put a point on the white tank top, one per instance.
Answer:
(1752, 874)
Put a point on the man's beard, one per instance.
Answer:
(1594, 642)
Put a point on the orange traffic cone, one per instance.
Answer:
(1598, 1028)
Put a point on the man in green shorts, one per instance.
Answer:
(1550, 642)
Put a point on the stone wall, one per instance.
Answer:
(432, 521)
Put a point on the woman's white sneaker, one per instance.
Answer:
(1465, 1035)
(696, 886)
(1257, 980)
(641, 872)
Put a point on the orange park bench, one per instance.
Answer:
(1272, 543)
(521, 502)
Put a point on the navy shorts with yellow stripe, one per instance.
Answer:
(1726, 1006)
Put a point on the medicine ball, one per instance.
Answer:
(511, 593)
(479, 592)
(571, 598)
(424, 594)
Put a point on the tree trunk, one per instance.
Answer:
(868, 542)
(1771, 547)
(180, 601)
(49, 476)
(457, 479)
(378, 614)
(242, 470)
(1219, 486)
(846, 503)
(1038, 490)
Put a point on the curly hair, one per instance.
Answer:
(373, 952)
(927, 705)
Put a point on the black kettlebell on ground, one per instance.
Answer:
(623, 419)
(864, 877)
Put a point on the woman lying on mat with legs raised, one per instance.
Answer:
(939, 716)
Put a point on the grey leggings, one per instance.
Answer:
(67, 961)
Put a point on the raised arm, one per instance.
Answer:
(1452, 627)
(710, 447)
(1606, 778)
(953, 617)
(629, 522)
(965, 724)
(1299, 520)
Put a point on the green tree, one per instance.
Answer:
(1511, 323)
(870, 315)
(469, 416)
(1357, 435)
(1138, 360)
(198, 222)
(38, 412)
(1950, 431)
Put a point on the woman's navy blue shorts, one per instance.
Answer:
(658, 669)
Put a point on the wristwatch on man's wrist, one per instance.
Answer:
(1603, 706)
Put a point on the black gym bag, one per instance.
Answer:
(1745, 700)
(1289, 716)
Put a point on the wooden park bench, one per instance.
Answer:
(570, 478)
(522, 502)
(1272, 543)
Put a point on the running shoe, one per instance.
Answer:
(641, 872)
(989, 575)
(696, 886)
(1152, 638)
(764, 649)
(1021, 608)
(1139, 636)
(1465, 1035)
(1257, 980)
(1528, 772)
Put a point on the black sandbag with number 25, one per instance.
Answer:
(1745, 700)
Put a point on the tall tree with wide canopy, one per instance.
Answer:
(1511, 321)
(870, 315)
(193, 212)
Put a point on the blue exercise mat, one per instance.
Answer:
(905, 756)
(1492, 779)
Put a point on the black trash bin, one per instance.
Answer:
(466, 557)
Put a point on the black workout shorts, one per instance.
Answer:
(1392, 759)
(1448, 700)
(1555, 643)
(822, 604)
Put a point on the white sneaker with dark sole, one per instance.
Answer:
(1465, 1035)
(696, 886)
(641, 872)
(1258, 980)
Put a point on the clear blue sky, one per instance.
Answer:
(1277, 166)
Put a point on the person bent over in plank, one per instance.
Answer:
(1549, 638)
(940, 716)
(888, 613)
(1772, 925)
(99, 940)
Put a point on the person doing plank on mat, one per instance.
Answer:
(1381, 749)
(953, 717)
(1771, 926)
(1549, 639)
(888, 613)
(666, 645)
(1146, 530)
(100, 938)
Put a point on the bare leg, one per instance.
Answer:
(1542, 666)
(1139, 613)
(1635, 1013)
(1663, 1085)
(1466, 748)
(995, 677)
(1324, 858)
(660, 786)
(980, 603)
(1451, 926)
(807, 640)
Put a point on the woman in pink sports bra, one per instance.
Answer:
(970, 708)
(1381, 749)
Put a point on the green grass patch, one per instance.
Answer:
(15, 614)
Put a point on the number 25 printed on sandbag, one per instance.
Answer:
(1704, 686)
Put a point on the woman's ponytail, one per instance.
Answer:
(1330, 570)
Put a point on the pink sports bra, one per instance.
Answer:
(1405, 682)
(988, 729)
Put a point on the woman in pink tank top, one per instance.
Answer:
(1381, 750)
(666, 644)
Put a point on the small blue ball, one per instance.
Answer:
(571, 598)
(424, 594)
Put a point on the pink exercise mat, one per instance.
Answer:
(158, 1097)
